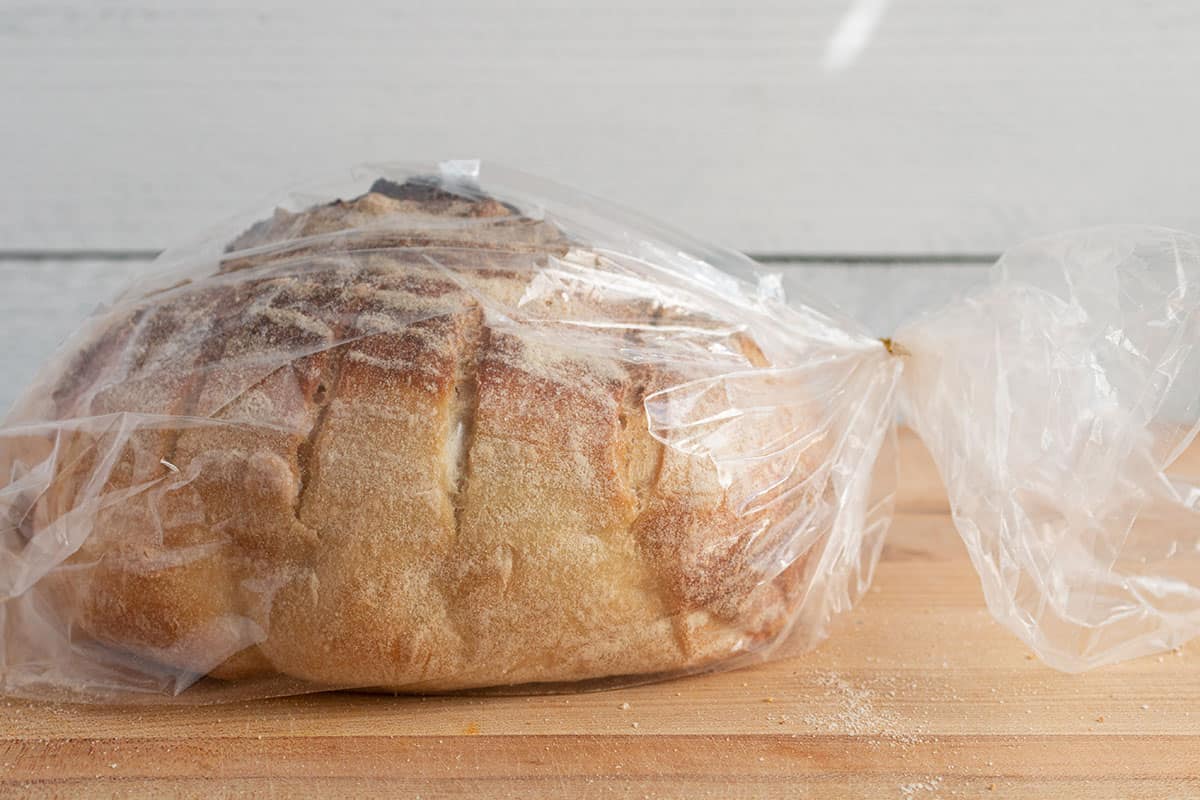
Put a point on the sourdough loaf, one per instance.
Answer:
(399, 441)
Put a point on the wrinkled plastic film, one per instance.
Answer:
(1059, 402)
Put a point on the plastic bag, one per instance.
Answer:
(1058, 403)
(433, 436)
(458, 431)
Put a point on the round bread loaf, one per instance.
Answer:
(400, 442)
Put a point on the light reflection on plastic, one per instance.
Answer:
(852, 34)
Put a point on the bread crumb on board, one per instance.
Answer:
(929, 784)
(854, 712)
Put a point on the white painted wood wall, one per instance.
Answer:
(878, 129)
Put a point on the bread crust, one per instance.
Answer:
(393, 445)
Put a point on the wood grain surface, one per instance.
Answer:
(918, 694)
(825, 126)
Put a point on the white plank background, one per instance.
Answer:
(881, 129)
(773, 126)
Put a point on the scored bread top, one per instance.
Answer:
(399, 441)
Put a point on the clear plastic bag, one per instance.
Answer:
(1059, 403)
(432, 431)
(440, 434)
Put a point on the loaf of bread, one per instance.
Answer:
(401, 442)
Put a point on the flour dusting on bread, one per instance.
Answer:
(418, 459)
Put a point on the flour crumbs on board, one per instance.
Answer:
(855, 713)
(927, 785)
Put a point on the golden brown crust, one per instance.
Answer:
(345, 462)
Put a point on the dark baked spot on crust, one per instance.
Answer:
(429, 193)
(84, 371)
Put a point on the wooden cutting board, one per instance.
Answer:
(918, 694)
